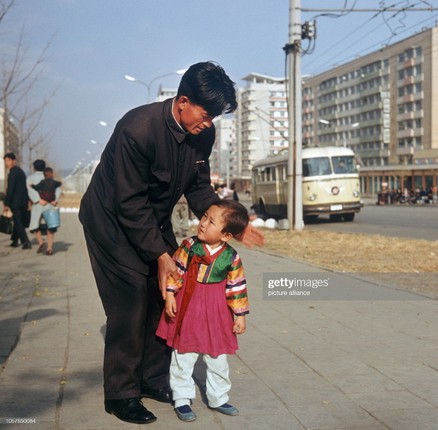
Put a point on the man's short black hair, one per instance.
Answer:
(10, 155)
(39, 165)
(207, 85)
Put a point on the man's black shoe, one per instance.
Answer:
(26, 245)
(161, 395)
(130, 410)
(14, 245)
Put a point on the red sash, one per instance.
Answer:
(192, 276)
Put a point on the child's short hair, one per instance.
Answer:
(235, 216)
(48, 172)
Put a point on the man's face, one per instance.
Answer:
(9, 162)
(194, 118)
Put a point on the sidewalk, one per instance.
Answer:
(363, 357)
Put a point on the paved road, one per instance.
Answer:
(414, 222)
(410, 221)
(357, 356)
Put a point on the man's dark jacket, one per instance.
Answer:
(148, 163)
(16, 193)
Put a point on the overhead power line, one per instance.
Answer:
(398, 14)
(386, 9)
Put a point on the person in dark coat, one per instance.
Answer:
(157, 153)
(17, 200)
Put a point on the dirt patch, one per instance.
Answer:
(70, 200)
(405, 263)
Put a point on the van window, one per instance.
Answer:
(319, 166)
(344, 164)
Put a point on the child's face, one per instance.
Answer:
(211, 225)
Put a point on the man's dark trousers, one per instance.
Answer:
(133, 305)
(19, 218)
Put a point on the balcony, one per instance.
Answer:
(405, 151)
(371, 75)
(408, 80)
(408, 98)
(409, 132)
(410, 115)
(370, 91)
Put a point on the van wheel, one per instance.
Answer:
(310, 218)
(262, 210)
(348, 217)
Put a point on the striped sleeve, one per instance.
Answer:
(236, 292)
(180, 257)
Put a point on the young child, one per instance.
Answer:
(49, 190)
(206, 309)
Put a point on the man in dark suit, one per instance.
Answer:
(17, 200)
(156, 154)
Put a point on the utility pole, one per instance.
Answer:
(294, 169)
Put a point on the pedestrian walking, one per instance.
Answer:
(37, 203)
(17, 200)
(49, 190)
(233, 189)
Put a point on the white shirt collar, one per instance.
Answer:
(213, 251)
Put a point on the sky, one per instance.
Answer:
(94, 43)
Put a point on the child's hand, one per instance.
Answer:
(239, 326)
(170, 306)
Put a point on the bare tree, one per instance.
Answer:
(19, 76)
(4, 8)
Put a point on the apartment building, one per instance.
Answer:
(262, 120)
(383, 105)
(224, 160)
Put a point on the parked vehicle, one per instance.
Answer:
(330, 184)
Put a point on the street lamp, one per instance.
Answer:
(149, 84)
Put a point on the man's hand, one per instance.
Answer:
(166, 267)
(251, 237)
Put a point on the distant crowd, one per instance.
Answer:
(411, 197)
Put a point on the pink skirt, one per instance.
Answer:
(207, 327)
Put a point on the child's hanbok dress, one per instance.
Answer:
(213, 291)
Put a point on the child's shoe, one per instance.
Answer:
(185, 413)
(227, 409)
